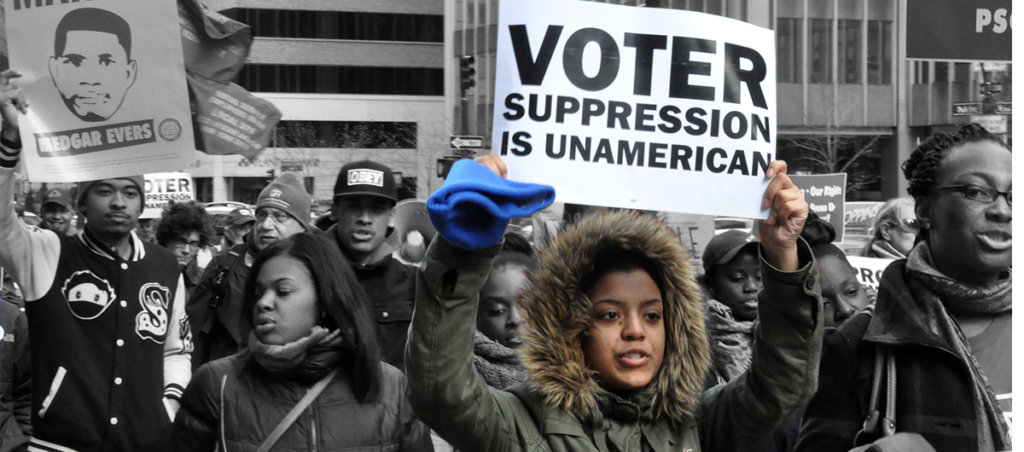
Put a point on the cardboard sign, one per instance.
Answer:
(826, 196)
(106, 84)
(869, 269)
(657, 109)
(163, 188)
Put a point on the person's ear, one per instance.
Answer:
(132, 72)
(885, 230)
(923, 210)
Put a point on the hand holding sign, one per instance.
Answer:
(12, 99)
(788, 212)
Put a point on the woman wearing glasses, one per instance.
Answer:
(895, 230)
(933, 360)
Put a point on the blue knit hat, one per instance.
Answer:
(473, 207)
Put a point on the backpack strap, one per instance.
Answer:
(296, 411)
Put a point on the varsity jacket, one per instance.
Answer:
(110, 338)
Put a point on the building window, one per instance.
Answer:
(275, 78)
(941, 71)
(849, 51)
(821, 51)
(879, 52)
(790, 51)
(272, 23)
(345, 134)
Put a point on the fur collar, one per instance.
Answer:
(557, 314)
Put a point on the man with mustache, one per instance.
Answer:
(91, 65)
(364, 206)
(215, 307)
(106, 312)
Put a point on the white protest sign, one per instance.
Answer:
(869, 269)
(105, 81)
(656, 109)
(163, 188)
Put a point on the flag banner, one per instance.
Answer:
(215, 45)
(230, 120)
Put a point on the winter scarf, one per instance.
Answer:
(882, 249)
(499, 365)
(941, 295)
(731, 341)
(307, 359)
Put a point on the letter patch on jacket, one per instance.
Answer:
(151, 323)
(87, 295)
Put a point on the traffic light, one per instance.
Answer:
(467, 74)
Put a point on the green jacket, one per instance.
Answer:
(562, 408)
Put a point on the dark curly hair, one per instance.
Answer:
(820, 234)
(182, 218)
(923, 163)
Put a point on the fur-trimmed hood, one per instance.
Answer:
(557, 315)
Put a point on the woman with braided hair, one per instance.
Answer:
(941, 325)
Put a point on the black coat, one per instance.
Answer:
(254, 402)
(933, 385)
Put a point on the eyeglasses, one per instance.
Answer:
(979, 193)
(907, 224)
(179, 245)
(278, 216)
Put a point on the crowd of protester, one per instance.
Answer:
(598, 333)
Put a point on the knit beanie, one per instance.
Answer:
(288, 194)
(84, 187)
(473, 207)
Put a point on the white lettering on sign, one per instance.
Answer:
(1000, 20)
(365, 177)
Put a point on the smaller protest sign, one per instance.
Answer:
(826, 196)
(695, 231)
(869, 269)
(164, 188)
(860, 219)
(229, 119)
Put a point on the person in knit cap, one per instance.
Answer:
(106, 313)
(215, 307)
(364, 206)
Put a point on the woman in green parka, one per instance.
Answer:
(615, 345)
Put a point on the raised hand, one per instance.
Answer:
(788, 212)
(12, 101)
(494, 163)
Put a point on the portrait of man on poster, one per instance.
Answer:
(91, 65)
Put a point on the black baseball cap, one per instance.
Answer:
(366, 178)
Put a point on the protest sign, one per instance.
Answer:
(695, 231)
(869, 269)
(657, 110)
(860, 218)
(826, 196)
(106, 85)
(164, 188)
